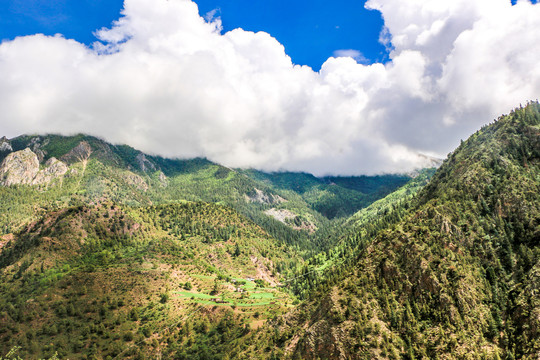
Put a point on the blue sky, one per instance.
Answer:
(75, 19)
(310, 31)
(166, 82)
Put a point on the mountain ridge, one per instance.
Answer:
(97, 171)
(446, 266)
(456, 276)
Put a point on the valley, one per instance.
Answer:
(108, 253)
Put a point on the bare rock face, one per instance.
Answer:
(36, 146)
(22, 168)
(54, 169)
(79, 153)
(19, 167)
(5, 145)
(163, 181)
(291, 219)
(258, 196)
(144, 163)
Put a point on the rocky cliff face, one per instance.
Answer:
(259, 196)
(54, 169)
(145, 164)
(5, 146)
(22, 168)
(79, 153)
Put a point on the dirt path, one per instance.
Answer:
(84, 163)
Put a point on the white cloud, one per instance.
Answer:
(353, 54)
(166, 81)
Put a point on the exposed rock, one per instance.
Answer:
(22, 168)
(36, 146)
(79, 153)
(144, 163)
(260, 197)
(291, 219)
(54, 169)
(35, 143)
(40, 154)
(135, 180)
(280, 214)
(163, 181)
(19, 167)
(5, 145)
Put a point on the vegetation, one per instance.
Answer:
(134, 256)
(333, 197)
(118, 173)
(453, 277)
(98, 278)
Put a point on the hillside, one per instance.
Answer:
(342, 240)
(109, 252)
(332, 196)
(39, 173)
(447, 266)
(456, 277)
(98, 280)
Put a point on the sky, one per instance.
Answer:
(310, 34)
(342, 87)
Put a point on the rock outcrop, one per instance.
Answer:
(144, 163)
(5, 145)
(54, 169)
(163, 181)
(135, 180)
(22, 168)
(259, 196)
(79, 153)
(291, 219)
(19, 167)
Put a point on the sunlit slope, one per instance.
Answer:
(456, 277)
(106, 280)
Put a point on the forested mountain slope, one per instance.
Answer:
(109, 252)
(341, 242)
(332, 196)
(105, 280)
(458, 277)
(45, 172)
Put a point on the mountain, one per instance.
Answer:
(80, 168)
(111, 253)
(453, 276)
(101, 280)
(107, 252)
(333, 196)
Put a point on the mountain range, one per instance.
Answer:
(107, 252)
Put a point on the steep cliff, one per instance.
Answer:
(23, 168)
(20, 167)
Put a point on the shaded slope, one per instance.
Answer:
(333, 197)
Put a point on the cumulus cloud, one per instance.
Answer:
(169, 82)
(352, 53)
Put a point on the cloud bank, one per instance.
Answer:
(164, 80)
